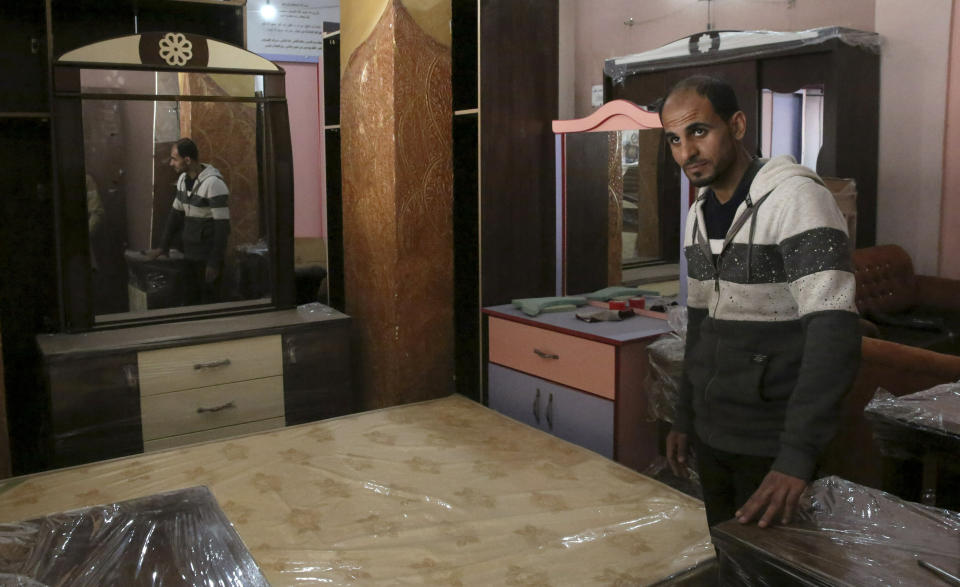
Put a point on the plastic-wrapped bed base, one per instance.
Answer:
(847, 534)
(176, 538)
(914, 425)
(443, 492)
(664, 377)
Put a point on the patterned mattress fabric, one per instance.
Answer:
(444, 492)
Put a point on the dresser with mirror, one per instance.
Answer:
(142, 362)
(584, 381)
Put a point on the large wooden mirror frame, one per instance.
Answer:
(590, 209)
(266, 164)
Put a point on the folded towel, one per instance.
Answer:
(619, 292)
(534, 306)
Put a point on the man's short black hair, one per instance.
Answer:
(188, 148)
(718, 92)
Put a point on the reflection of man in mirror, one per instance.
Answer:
(201, 218)
(631, 149)
(773, 340)
(94, 217)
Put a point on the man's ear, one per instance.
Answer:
(738, 124)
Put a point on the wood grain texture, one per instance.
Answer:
(207, 408)
(176, 368)
(635, 434)
(519, 66)
(213, 434)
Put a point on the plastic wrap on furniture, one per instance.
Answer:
(846, 534)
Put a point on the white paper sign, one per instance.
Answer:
(596, 96)
(295, 30)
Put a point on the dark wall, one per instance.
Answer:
(80, 22)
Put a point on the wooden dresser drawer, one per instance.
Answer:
(203, 365)
(213, 434)
(195, 410)
(569, 360)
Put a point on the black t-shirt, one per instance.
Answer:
(718, 217)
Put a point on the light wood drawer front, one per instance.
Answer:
(203, 365)
(193, 410)
(215, 434)
(569, 360)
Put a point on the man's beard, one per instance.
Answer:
(702, 180)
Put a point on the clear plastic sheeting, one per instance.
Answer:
(935, 410)
(721, 45)
(666, 362)
(921, 428)
(846, 534)
(660, 470)
(444, 492)
(175, 538)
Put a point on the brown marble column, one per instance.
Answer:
(396, 125)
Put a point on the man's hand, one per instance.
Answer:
(211, 274)
(678, 450)
(154, 253)
(778, 495)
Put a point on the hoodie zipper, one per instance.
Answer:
(717, 268)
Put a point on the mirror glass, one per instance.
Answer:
(131, 121)
(612, 206)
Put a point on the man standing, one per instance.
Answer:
(773, 341)
(201, 219)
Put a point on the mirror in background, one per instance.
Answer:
(612, 206)
(131, 188)
(791, 123)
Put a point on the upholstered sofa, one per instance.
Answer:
(917, 310)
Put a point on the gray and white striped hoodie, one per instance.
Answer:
(773, 340)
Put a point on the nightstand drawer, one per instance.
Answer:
(194, 410)
(572, 361)
(203, 365)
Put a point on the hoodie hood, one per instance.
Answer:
(207, 172)
(776, 171)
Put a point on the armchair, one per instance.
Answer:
(916, 310)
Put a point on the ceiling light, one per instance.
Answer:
(268, 11)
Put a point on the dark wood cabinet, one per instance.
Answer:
(505, 59)
(316, 373)
(115, 393)
(33, 33)
(95, 407)
(23, 57)
(844, 63)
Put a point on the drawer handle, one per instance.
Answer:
(212, 364)
(536, 407)
(229, 404)
(550, 412)
(544, 355)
